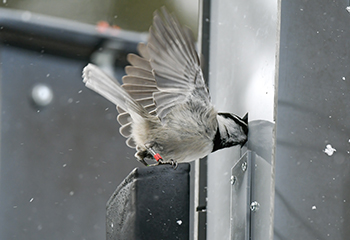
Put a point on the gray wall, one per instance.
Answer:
(59, 164)
(312, 188)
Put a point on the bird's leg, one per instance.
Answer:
(150, 149)
(157, 157)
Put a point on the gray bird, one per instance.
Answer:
(164, 105)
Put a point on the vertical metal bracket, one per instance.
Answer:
(240, 196)
(251, 198)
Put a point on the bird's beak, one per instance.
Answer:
(245, 118)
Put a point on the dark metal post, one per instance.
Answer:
(151, 203)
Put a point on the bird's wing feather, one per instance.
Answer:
(139, 81)
(140, 84)
(175, 64)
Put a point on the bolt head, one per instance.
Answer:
(254, 206)
(233, 180)
(244, 166)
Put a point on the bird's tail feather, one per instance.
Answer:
(108, 87)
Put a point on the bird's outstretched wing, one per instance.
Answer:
(168, 72)
(175, 64)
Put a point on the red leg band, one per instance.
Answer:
(157, 157)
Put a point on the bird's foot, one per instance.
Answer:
(172, 162)
(150, 146)
(143, 162)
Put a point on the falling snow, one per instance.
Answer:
(329, 150)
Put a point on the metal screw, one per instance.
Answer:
(233, 180)
(254, 206)
(244, 166)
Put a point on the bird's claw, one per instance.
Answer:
(172, 162)
(143, 162)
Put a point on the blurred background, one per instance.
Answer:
(61, 152)
(134, 15)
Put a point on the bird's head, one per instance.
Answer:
(232, 130)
